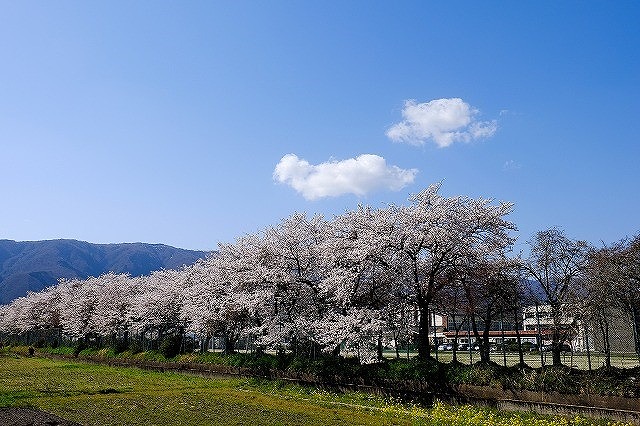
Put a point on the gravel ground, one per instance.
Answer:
(30, 417)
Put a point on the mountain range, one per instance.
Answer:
(33, 265)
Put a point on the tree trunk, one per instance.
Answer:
(396, 335)
(484, 340)
(476, 334)
(229, 345)
(504, 344)
(557, 360)
(520, 352)
(207, 343)
(604, 329)
(334, 353)
(556, 340)
(635, 315)
(396, 347)
(556, 346)
(587, 343)
(424, 349)
(455, 338)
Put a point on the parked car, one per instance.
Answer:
(465, 347)
(549, 348)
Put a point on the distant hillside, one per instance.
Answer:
(34, 265)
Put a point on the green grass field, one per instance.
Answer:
(100, 395)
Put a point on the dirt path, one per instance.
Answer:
(31, 417)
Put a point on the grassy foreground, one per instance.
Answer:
(100, 395)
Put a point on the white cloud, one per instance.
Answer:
(359, 176)
(443, 121)
(511, 165)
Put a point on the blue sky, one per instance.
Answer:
(172, 122)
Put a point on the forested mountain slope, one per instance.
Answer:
(34, 265)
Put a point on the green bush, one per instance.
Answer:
(210, 358)
(336, 368)
(614, 381)
(135, 346)
(87, 352)
(553, 378)
(60, 350)
(482, 374)
(170, 346)
(20, 350)
(401, 369)
(80, 346)
(153, 356)
(119, 345)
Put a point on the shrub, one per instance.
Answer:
(135, 346)
(20, 350)
(119, 345)
(80, 346)
(614, 381)
(210, 358)
(170, 346)
(61, 350)
(555, 378)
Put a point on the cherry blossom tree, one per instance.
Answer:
(291, 265)
(452, 302)
(558, 265)
(597, 306)
(361, 287)
(613, 282)
(429, 237)
(156, 308)
(216, 303)
(35, 316)
(78, 306)
(627, 284)
(350, 282)
(491, 288)
(114, 301)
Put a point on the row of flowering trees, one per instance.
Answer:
(611, 285)
(346, 283)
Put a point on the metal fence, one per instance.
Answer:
(585, 343)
